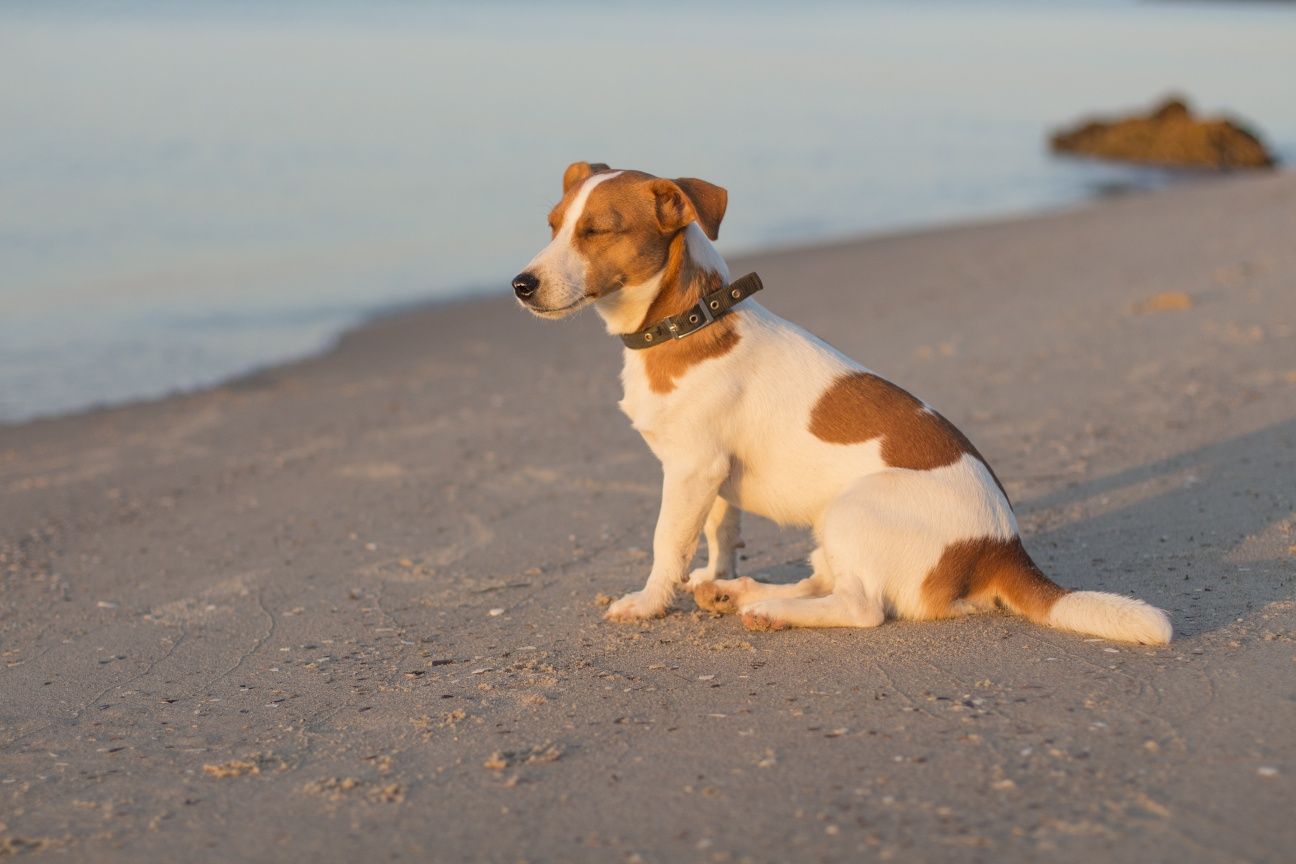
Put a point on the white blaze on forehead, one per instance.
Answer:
(577, 207)
(574, 210)
(558, 266)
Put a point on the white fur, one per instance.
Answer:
(623, 310)
(703, 251)
(1112, 617)
(733, 433)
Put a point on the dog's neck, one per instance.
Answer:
(693, 268)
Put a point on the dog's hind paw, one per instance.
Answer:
(720, 595)
(761, 621)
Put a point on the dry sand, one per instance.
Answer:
(346, 610)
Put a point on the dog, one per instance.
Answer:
(748, 412)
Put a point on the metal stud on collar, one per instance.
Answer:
(709, 308)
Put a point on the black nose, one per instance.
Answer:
(524, 285)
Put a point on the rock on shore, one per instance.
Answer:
(1169, 135)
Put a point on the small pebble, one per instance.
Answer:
(1267, 771)
(494, 613)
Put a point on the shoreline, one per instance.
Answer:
(350, 604)
(421, 307)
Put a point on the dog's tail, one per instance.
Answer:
(1111, 616)
(1020, 585)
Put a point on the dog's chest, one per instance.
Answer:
(650, 413)
(675, 418)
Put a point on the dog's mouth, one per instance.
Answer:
(559, 311)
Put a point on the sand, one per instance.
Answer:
(347, 609)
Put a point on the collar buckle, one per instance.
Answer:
(694, 320)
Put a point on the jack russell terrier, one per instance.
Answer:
(747, 411)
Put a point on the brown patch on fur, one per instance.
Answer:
(860, 406)
(987, 570)
(559, 213)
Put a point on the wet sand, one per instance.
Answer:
(347, 609)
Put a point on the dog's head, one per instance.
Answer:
(612, 229)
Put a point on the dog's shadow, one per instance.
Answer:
(1208, 534)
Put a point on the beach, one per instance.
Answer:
(349, 608)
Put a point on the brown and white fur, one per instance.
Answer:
(753, 413)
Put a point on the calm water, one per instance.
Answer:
(190, 190)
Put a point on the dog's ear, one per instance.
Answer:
(686, 200)
(579, 172)
(709, 200)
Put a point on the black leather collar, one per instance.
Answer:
(710, 308)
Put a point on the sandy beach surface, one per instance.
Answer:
(348, 609)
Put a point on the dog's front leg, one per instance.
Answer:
(688, 492)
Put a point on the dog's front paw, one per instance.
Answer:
(701, 576)
(635, 606)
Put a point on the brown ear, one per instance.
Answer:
(674, 208)
(709, 202)
(680, 202)
(579, 172)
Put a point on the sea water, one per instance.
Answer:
(190, 190)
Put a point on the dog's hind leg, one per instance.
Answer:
(730, 595)
(723, 540)
(846, 606)
(860, 535)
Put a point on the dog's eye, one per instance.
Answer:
(592, 231)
